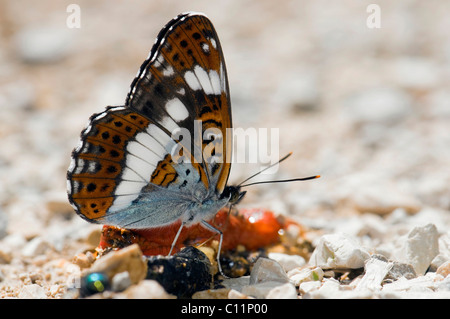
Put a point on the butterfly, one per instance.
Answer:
(125, 173)
(134, 169)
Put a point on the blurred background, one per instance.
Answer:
(361, 99)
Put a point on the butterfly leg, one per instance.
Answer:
(213, 229)
(176, 238)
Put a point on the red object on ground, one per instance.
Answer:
(252, 228)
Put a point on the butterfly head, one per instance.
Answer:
(233, 193)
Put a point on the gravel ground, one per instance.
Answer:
(366, 108)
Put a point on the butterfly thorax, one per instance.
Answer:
(205, 207)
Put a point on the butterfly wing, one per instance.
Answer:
(183, 80)
(122, 172)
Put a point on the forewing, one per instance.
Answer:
(183, 80)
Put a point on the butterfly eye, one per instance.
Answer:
(233, 194)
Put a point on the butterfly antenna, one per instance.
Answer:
(283, 180)
(265, 169)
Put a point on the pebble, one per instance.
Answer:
(300, 92)
(444, 245)
(415, 73)
(418, 247)
(234, 294)
(439, 103)
(379, 270)
(438, 260)
(267, 279)
(380, 105)
(14, 241)
(265, 270)
(375, 271)
(331, 289)
(121, 281)
(445, 284)
(84, 260)
(266, 289)
(221, 293)
(236, 283)
(338, 251)
(17, 95)
(288, 262)
(298, 276)
(309, 286)
(32, 291)
(399, 270)
(146, 289)
(444, 269)
(431, 285)
(285, 291)
(128, 259)
(43, 44)
(3, 224)
(425, 283)
(5, 255)
(37, 246)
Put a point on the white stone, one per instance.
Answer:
(338, 251)
(37, 246)
(415, 73)
(444, 244)
(437, 261)
(331, 289)
(14, 241)
(121, 281)
(288, 262)
(375, 271)
(266, 269)
(444, 285)
(43, 44)
(426, 283)
(285, 291)
(298, 276)
(418, 247)
(32, 291)
(299, 91)
(330, 284)
(19, 94)
(146, 289)
(439, 102)
(127, 259)
(236, 283)
(3, 223)
(272, 289)
(234, 294)
(267, 280)
(309, 286)
(382, 105)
